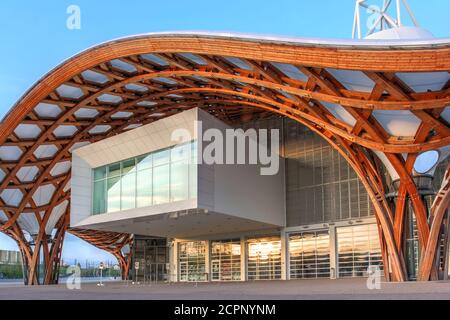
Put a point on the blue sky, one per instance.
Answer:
(35, 38)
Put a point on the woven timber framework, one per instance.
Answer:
(111, 242)
(123, 84)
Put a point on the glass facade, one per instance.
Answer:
(309, 255)
(153, 257)
(320, 185)
(358, 249)
(164, 176)
(226, 260)
(192, 261)
(264, 259)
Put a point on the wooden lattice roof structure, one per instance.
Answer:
(390, 98)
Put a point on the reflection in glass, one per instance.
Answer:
(179, 180)
(192, 261)
(128, 197)
(113, 195)
(114, 170)
(153, 257)
(264, 259)
(161, 157)
(226, 260)
(161, 182)
(358, 249)
(309, 255)
(100, 173)
(99, 204)
(157, 178)
(144, 162)
(144, 188)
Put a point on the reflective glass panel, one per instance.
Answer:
(192, 261)
(100, 173)
(264, 259)
(144, 162)
(144, 188)
(156, 178)
(128, 196)
(358, 249)
(128, 165)
(113, 195)
(179, 181)
(226, 260)
(99, 203)
(161, 157)
(309, 255)
(161, 181)
(114, 170)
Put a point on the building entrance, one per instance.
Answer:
(152, 254)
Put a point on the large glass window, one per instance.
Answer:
(99, 204)
(358, 249)
(153, 258)
(309, 254)
(161, 184)
(320, 184)
(113, 194)
(164, 176)
(192, 261)
(144, 191)
(226, 260)
(264, 259)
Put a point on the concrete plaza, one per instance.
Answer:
(348, 289)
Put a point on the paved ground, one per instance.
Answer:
(273, 290)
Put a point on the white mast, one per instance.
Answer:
(383, 20)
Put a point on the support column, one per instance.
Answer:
(243, 260)
(334, 274)
(284, 256)
(173, 260)
(208, 260)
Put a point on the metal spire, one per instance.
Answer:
(382, 20)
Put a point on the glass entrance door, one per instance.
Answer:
(309, 254)
(264, 259)
(192, 261)
(358, 249)
(153, 257)
(226, 260)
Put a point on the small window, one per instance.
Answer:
(114, 170)
(426, 161)
(100, 173)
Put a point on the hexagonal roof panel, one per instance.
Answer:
(100, 129)
(60, 168)
(136, 87)
(121, 115)
(353, 80)
(27, 131)
(45, 151)
(10, 153)
(290, 71)
(47, 110)
(27, 174)
(123, 66)
(43, 194)
(94, 77)
(69, 92)
(86, 113)
(146, 103)
(399, 123)
(425, 81)
(109, 98)
(65, 131)
(155, 60)
(12, 197)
